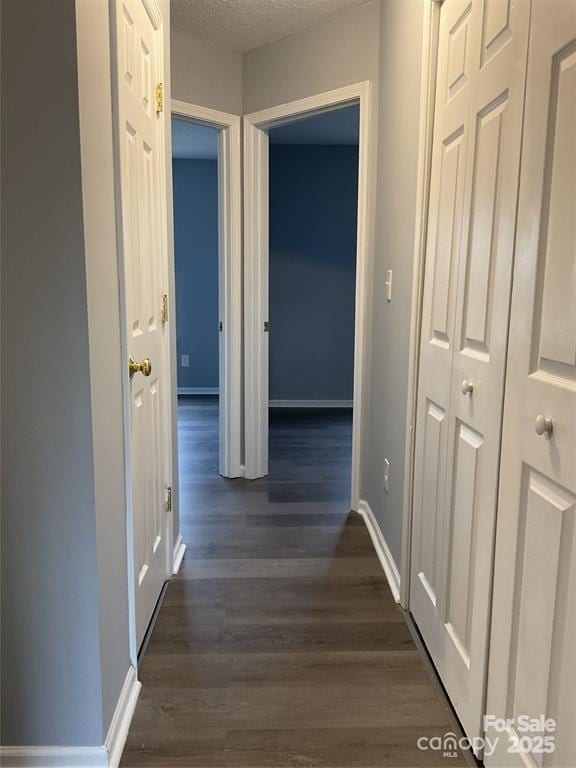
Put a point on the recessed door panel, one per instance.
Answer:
(557, 344)
(446, 243)
(462, 532)
(483, 238)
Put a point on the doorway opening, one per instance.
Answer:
(195, 206)
(207, 269)
(313, 204)
(262, 272)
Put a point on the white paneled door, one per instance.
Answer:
(141, 150)
(532, 660)
(473, 201)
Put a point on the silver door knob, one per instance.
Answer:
(467, 387)
(543, 425)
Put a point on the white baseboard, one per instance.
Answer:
(382, 550)
(106, 756)
(118, 731)
(53, 757)
(198, 390)
(179, 550)
(311, 403)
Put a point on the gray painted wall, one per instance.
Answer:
(105, 347)
(195, 190)
(385, 426)
(341, 50)
(313, 206)
(205, 74)
(51, 692)
(65, 647)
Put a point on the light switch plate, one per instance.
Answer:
(386, 475)
(388, 285)
(185, 361)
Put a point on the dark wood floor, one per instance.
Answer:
(279, 643)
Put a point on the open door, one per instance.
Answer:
(140, 140)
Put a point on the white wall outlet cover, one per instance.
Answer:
(185, 361)
(386, 475)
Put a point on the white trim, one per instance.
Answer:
(255, 301)
(178, 556)
(427, 98)
(198, 390)
(106, 756)
(382, 550)
(154, 12)
(118, 731)
(230, 278)
(311, 403)
(256, 267)
(53, 757)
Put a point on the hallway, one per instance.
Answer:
(279, 644)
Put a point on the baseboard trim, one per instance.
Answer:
(178, 555)
(106, 756)
(53, 757)
(382, 550)
(118, 731)
(198, 391)
(311, 403)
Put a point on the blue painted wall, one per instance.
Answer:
(195, 186)
(313, 206)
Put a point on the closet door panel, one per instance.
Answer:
(532, 664)
(497, 86)
(476, 153)
(438, 315)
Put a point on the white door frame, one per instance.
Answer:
(229, 278)
(256, 258)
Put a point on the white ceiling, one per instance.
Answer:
(191, 141)
(245, 24)
(337, 127)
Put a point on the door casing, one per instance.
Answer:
(229, 280)
(256, 259)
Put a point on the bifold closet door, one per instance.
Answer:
(532, 658)
(474, 191)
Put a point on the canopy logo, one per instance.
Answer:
(450, 745)
(523, 735)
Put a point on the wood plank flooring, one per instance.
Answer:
(279, 643)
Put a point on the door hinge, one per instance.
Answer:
(164, 309)
(266, 326)
(169, 499)
(159, 98)
(220, 326)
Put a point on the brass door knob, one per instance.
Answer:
(145, 367)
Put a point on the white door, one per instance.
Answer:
(532, 658)
(476, 155)
(140, 138)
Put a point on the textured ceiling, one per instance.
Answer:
(245, 24)
(191, 141)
